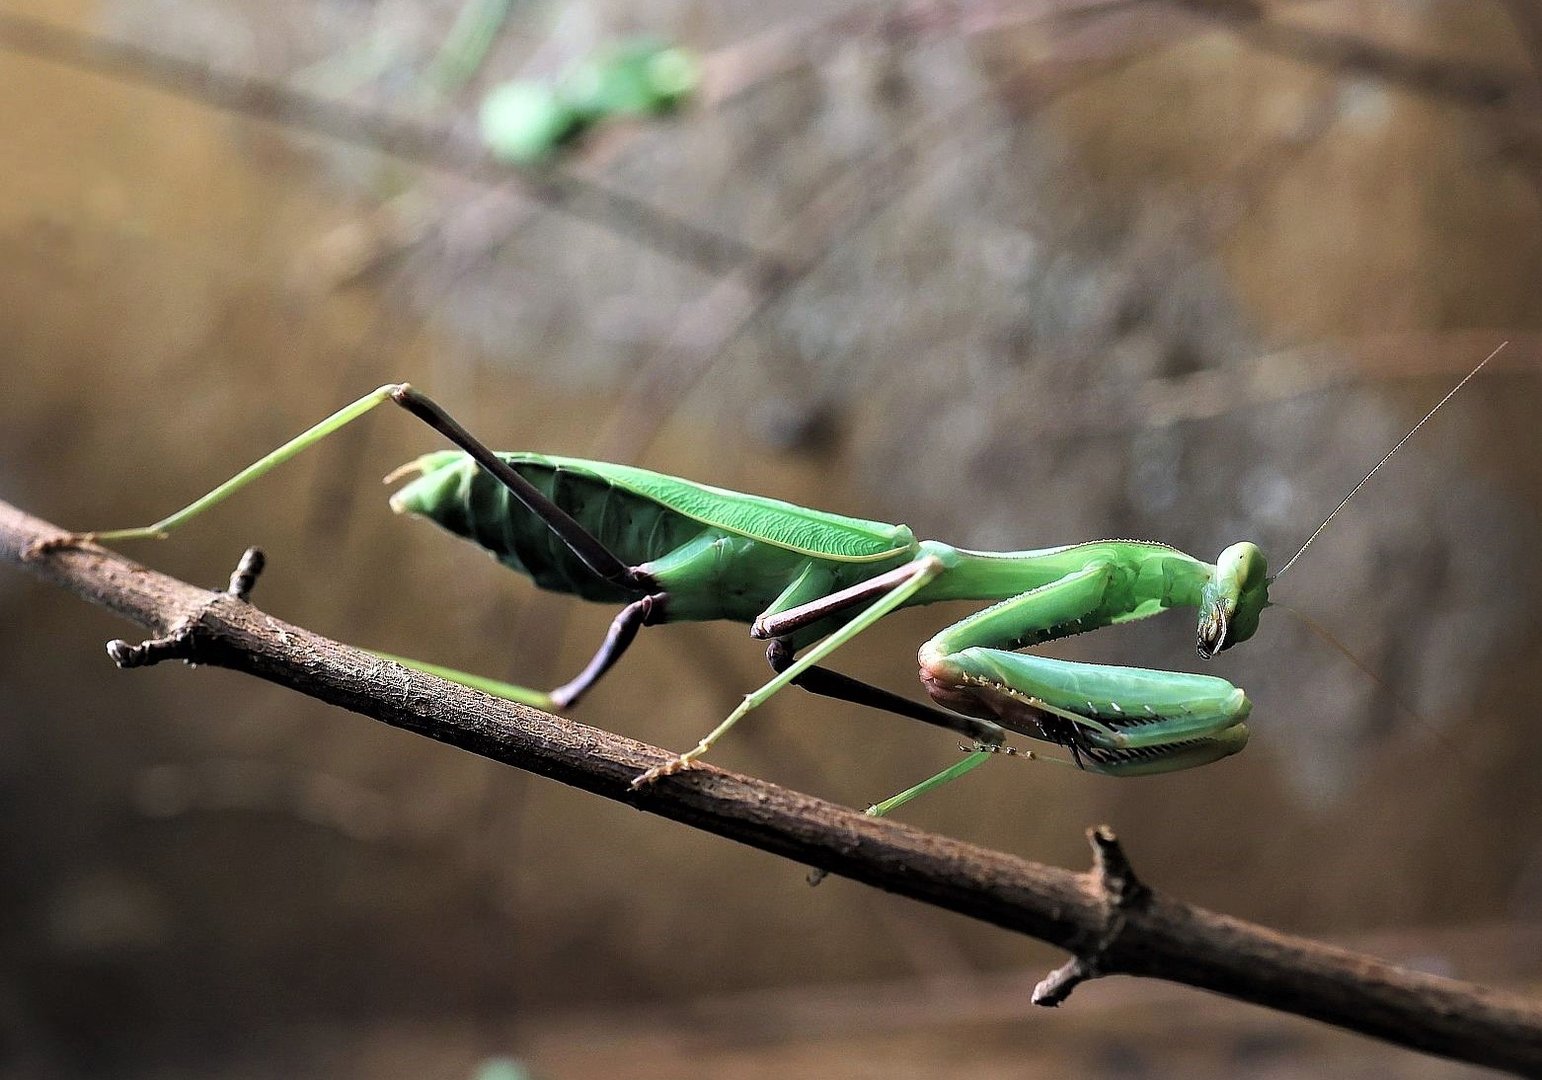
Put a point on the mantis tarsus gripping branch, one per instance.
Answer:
(671, 550)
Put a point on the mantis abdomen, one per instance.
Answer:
(709, 572)
(466, 500)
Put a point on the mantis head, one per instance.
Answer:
(1233, 598)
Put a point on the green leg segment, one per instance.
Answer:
(947, 776)
(306, 439)
(524, 695)
(925, 571)
(623, 629)
(587, 547)
(1114, 720)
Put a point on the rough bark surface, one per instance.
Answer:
(1109, 920)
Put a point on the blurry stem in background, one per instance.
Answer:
(1110, 921)
(467, 44)
(752, 281)
(1479, 86)
(649, 225)
(565, 192)
(732, 72)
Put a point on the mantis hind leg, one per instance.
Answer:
(623, 630)
(584, 544)
(263, 465)
(598, 558)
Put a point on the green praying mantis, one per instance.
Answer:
(527, 122)
(807, 582)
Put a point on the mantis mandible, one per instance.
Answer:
(670, 549)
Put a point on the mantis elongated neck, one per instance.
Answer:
(1157, 571)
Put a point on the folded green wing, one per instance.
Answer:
(771, 521)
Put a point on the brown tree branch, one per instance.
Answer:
(1109, 920)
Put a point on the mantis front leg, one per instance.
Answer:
(1115, 720)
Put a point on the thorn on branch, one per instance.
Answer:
(1112, 869)
(1121, 891)
(178, 643)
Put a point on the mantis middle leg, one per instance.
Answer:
(915, 577)
(623, 629)
(833, 684)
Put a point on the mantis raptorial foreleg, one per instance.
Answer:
(1113, 719)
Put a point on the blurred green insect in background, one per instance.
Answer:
(526, 122)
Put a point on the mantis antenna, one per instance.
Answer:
(1449, 395)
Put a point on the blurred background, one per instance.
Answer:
(1015, 273)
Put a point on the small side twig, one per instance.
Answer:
(653, 226)
(1122, 892)
(179, 641)
(176, 644)
(244, 577)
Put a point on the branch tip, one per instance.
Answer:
(244, 577)
(1058, 984)
(1112, 869)
(176, 644)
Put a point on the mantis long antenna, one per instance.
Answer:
(1449, 395)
